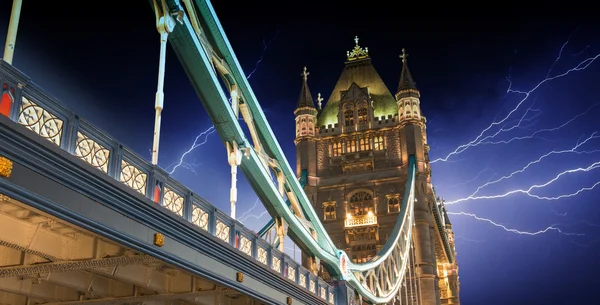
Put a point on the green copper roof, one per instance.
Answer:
(363, 74)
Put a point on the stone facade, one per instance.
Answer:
(356, 157)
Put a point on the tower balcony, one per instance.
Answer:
(359, 221)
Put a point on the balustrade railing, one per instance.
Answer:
(47, 117)
(357, 221)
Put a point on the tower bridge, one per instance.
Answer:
(85, 220)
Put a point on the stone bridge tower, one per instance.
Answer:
(355, 152)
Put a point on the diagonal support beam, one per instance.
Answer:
(63, 266)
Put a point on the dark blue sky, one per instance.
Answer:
(102, 62)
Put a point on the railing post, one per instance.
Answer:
(156, 184)
(71, 133)
(254, 247)
(114, 167)
(16, 103)
(212, 220)
(233, 235)
(188, 201)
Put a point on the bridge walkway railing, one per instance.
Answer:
(46, 116)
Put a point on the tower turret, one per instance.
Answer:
(407, 95)
(306, 119)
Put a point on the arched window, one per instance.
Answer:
(378, 143)
(329, 212)
(303, 127)
(351, 145)
(364, 144)
(393, 205)
(349, 117)
(362, 115)
(337, 149)
(361, 203)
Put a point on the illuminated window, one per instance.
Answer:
(329, 212)
(349, 117)
(364, 144)
(363, 253)
(351, 145)
(378, 143)
(362, 116)
(337, 149)
(393, 204)
(361, 203)
(303, 127)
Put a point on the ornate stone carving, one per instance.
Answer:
(245, 245)
(302, 280)
(261, 255)
(159, 239)
(357, 52)
(276, 263)
(92, 152)
(5, 167)
(173, 201)
(133, 177)
(199, 217)
(222, 231)
(40, 121)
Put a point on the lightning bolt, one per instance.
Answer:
(196, 144)
(538, 160)
(265, 47)
(211, 129)
(529, 191)
(253, 216)
(249, 210)
(531, 136)
(511, 230)
(482, 135)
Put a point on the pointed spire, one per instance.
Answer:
(319, 100)
(305, 99)
(446, 218)
(406, 86)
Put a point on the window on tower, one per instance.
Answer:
(378, 142)
(337, 149)
(362, 115)
(349, 117)
(329, 212)
(364, 144)
(393, 204)
(361, 203)
(351, 145)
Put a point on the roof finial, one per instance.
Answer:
(305, 74)
(319, 99)
(357, 52)
(404, 56)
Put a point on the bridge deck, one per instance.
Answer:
(87, 178)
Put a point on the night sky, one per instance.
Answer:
(102, 62)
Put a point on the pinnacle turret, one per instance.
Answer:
(407, 86)
(305, 99)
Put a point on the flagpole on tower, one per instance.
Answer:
(11, 36)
